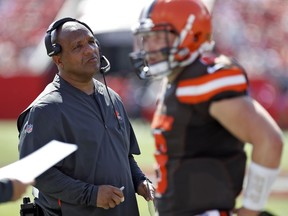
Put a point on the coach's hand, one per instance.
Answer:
(146, 189)
(109, 196)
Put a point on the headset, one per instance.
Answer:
(54, 48)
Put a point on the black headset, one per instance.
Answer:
(54, 48)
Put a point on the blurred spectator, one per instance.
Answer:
(256, 33)
(257, 30)
(23, 24)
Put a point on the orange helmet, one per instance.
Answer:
(188, 19)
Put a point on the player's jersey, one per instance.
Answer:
(198, 160)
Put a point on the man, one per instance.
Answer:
(204, 116)
(102, 176)
(11, 189)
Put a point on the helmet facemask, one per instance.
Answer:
(188, 19)
(141, 59)
(175, 53)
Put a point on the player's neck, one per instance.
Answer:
(175, 73)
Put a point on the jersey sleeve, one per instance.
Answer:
(224, 83)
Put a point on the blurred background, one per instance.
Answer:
(252, 31)
(255, 32)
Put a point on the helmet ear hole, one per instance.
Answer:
(196, 37)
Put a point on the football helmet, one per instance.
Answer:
(188, 19)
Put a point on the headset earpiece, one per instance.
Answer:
(54, 48)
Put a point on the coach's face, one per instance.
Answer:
(79, 59)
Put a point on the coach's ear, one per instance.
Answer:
(58, 61)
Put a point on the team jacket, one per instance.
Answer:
(104, 154)
(200, 164)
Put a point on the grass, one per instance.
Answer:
(8, 154)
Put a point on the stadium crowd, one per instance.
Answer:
(252, 31)
(257, 30)
(23, 24)
(256, 33)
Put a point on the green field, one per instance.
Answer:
(9, 154)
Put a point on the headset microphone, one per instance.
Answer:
(105, 65)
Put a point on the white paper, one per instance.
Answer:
(150, 203)
(34, 164)
(151, 208)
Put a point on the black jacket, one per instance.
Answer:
(105, 142)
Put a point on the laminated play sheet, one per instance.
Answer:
(34, 164)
